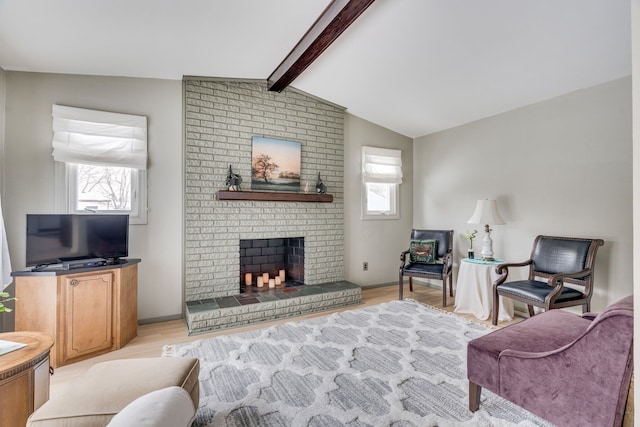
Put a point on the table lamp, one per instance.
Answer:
(486, 213)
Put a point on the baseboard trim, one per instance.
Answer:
(160, 319)
(379, 285)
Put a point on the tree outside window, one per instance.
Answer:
(103, 188)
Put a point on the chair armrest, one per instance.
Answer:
(576, 275)
(502, 270)
(447, 261)
(403, 258)
(594, 333)
(557, 281)
(604, 349)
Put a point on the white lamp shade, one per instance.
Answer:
(486, 213)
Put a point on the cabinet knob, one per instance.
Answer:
(73, 282)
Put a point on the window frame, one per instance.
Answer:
(66, 193)
(393, 213)
(381, 166)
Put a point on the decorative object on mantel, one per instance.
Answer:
(233, 180)
(320, 187)
(470, 236)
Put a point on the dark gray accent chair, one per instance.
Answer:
(441, 270)
(554, 262)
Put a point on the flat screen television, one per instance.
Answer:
(56, 238)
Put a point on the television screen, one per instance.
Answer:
(55, 238)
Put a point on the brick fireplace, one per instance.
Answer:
(221, 117)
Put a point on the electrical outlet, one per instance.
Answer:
(365, 266)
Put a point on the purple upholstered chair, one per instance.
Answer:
(569, 369)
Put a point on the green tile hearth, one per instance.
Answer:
(263, 304)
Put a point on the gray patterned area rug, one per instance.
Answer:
(397, 364)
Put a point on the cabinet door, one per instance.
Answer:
(88, 313)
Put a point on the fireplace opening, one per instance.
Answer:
(277, 262)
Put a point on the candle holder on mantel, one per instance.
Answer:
(320, 187)
(233, 180)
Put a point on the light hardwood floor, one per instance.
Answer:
(152, 337)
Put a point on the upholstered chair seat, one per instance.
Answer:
(414, 267)
(536, 291)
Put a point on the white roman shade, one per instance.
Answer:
(5, 260)
(381, 165)
(99, 137)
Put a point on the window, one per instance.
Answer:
(381, 200)
(381, 174)
(101, 162)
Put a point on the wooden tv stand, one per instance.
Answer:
(88, 311)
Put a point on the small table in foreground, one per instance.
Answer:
(474, 290)
(24, 376)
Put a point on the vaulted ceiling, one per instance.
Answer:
(413, 66)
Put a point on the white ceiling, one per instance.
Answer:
(413, 66)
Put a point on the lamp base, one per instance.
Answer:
(487, 245)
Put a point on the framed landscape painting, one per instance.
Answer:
(275, 164)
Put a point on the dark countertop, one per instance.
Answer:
(58, 270)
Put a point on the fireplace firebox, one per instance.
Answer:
(272, 256)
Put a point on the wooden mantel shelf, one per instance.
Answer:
(274, 196)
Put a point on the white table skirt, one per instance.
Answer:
(474, 291)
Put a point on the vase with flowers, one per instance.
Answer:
(470, 236)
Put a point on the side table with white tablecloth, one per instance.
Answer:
(474, 290)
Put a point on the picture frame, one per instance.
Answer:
(275, 164)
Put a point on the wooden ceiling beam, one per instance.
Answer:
(334, 20)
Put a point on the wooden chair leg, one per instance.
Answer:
(401, 286)
(411, 284)
(495, 309)
(451, 286)
(444, 292)
(530, 309)
(474, 396)
(586, 307)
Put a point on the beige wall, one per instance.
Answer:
(6, 319)
(28, 169)
(3, 93)
(378, 242)
(559, 167)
